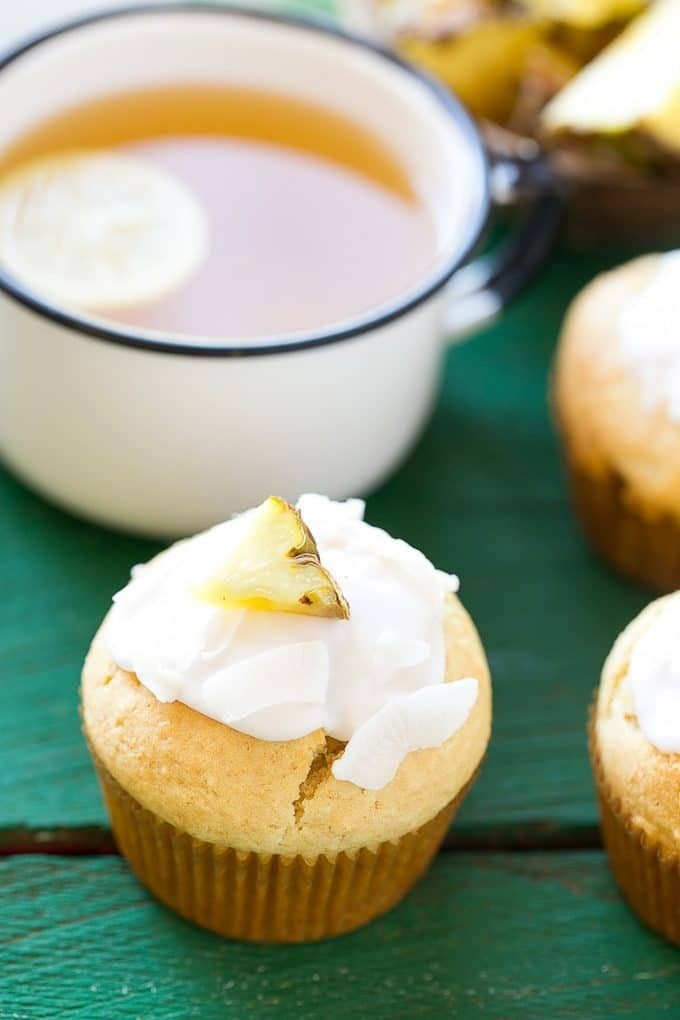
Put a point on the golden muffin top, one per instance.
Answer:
(636, 725)
(292, 681)
(225, 786)
(617, 380)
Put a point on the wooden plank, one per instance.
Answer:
(482, 495)
(58, 575)
(500, 936)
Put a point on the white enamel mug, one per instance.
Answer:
(167, 435)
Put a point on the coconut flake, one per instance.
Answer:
(294, 673)
(450, 582)
(410, 722)
(328, 513)
(394, 651)
(155, 649)
(164, 682)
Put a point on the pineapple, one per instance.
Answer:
(585, 14)
(482, 63)
(276, 568)
(632, 88)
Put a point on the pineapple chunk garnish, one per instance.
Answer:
(482, 63)
(585, 13)
(633, 85)
(276, 568)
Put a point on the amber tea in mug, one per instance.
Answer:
(311, 220)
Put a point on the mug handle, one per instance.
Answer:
(520, 180)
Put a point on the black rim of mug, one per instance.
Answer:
(189, 345)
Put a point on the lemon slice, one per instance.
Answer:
(98, 230)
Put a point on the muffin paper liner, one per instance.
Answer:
(268, 897)
(647, 874)
(645, 549)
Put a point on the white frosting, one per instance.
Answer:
(649, 332)
(375, 680)
(654, 677)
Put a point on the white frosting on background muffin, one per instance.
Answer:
(375, 680)
(649, 332)
(654, 677)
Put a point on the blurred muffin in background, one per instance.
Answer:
(617, 403)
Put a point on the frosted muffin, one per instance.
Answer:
(617, 403)
(284, 726)
(635, 750)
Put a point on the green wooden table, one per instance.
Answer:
(519, 916)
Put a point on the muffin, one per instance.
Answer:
(617, 405)
(285, 713)
(635, 750)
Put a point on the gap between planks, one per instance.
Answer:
(89, 840)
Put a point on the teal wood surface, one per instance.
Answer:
(502, 935)
(526, 936)
(482, 495)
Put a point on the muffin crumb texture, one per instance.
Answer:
(319, 772)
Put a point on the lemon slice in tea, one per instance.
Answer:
(98, 230)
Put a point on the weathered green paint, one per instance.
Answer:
(482, 494)
(526, 936)
(501, 935)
